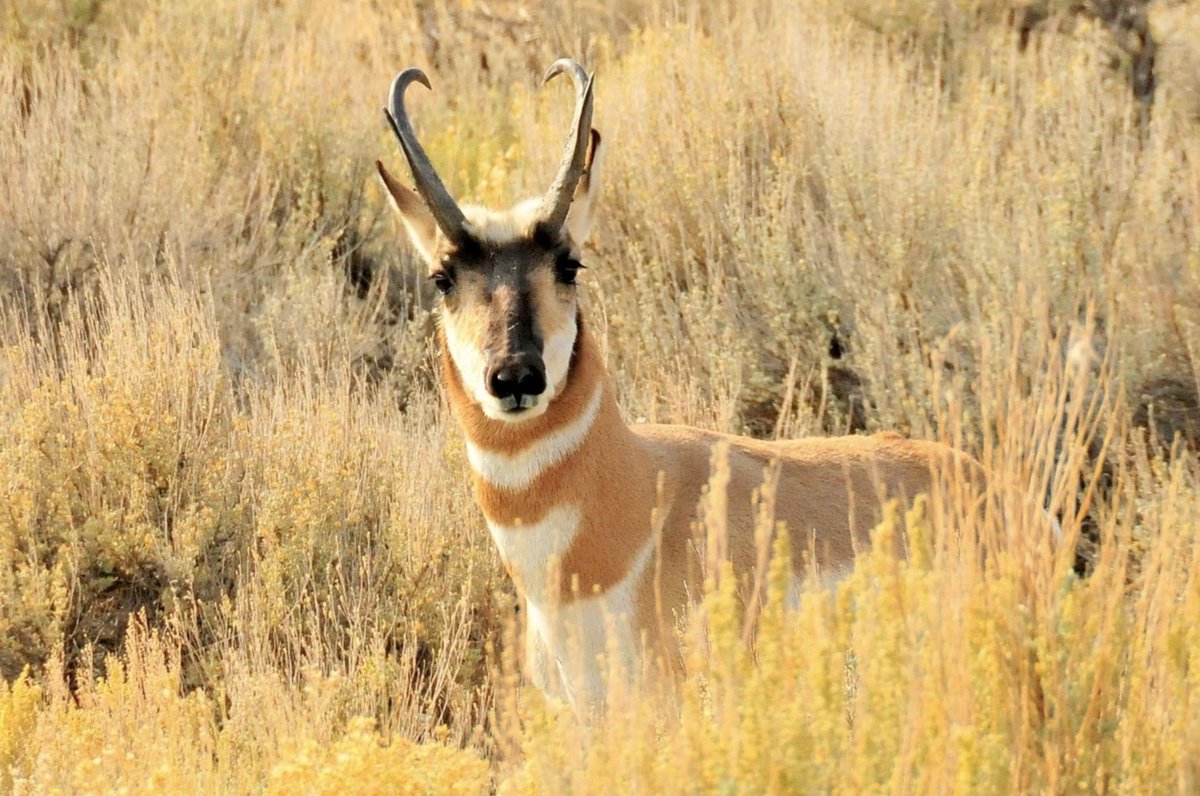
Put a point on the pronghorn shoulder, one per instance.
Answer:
(676, 448)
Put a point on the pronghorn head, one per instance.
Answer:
(508, 311)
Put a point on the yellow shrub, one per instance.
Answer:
(201, 417)
(360, 762)
(927, 676)
(19, 704)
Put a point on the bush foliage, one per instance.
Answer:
(237, 548)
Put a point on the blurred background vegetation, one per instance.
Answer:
(230, 498)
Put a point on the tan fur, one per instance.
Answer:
(609, 463)
(613, 477)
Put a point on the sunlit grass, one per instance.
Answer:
(237, 550)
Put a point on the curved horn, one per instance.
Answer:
(558, 199)
(445, 211)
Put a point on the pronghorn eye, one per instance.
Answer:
(443, 281)
(566, 269)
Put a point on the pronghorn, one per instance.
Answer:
(594, 517)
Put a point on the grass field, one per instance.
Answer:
(238, 551)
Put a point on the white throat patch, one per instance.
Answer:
(518, 470)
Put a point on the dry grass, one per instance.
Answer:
(237, 551)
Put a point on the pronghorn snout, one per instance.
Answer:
(516, 381)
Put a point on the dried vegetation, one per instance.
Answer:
(236, 548)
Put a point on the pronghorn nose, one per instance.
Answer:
(515, 379)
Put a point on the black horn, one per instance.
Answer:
(445, 210)
(558, 199)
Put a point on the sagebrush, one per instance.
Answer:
(236, 546)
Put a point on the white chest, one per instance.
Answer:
(585, 641)
(533, 551)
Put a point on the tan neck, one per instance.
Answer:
(605, 473)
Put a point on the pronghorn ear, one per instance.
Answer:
(422, 229)
(579, 218)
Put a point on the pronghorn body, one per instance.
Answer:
(569, 500)
(593, 517)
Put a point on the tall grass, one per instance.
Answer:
(237, 551)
